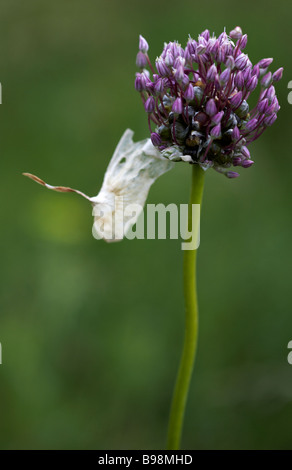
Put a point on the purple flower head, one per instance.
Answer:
(197, 97)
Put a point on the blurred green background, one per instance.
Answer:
(91, 333)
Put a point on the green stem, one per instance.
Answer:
(191, 323)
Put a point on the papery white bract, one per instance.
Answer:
(132, 170)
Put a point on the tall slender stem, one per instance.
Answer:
(191, 322)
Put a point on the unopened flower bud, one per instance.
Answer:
(140, 82)
(251, 125)
(143, 44)
(243, 42)
(150, 105)
(264, 63)
(177, 106)
(278, 74)
(269, 120)
(275, 104)
(179, 73)
(236, 161)
(230, 62)
(189, 94)
(266, 80)
(206, 34)
(155, 139)
(200, 49)
(241, 61)
(224, 77)
(212, 72)
(242, 110)
(256, 71)
(216, 132)
(236, 100)
(211, 107)
(245, 152)
(236, 33)
(271, 92)
(169, 59)
(262, 106)
(232, 174)
(161, 66)
(247, 74)
(159, 87)
(235, 134)
(141, 60)
(252, 83)
(239, 80)
(216, 119)
(247, 163)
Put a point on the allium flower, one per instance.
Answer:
(197, 100)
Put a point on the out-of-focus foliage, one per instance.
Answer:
(91, 333)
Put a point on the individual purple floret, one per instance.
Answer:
(197, 99)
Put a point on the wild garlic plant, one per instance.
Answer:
(196, 101)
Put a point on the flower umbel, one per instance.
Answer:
(197, 100)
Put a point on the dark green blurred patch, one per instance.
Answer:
(91, 332)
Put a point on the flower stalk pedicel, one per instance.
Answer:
(209, 77)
